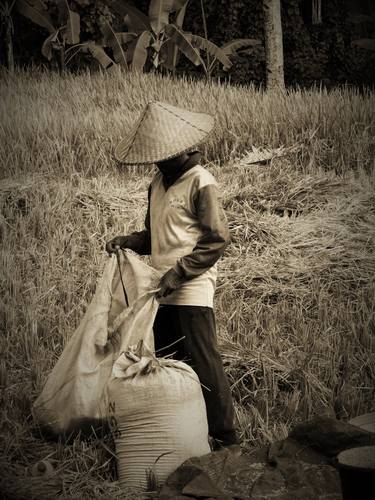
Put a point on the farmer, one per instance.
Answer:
(186, 233)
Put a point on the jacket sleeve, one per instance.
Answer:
(210, 247)
(140, 241)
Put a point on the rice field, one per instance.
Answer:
(295, 301)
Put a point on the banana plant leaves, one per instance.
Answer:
(201, 43)
(130, 48)
(140, 52)
(35, 11)
(160, 10)
(134, 19)
(70, 22)
(169, 50)
(48, 45)
(232, 47)
(116, 41)
(364, 43)
(100, 55)
(181, 39)
(126, 37)
(72, 30)
(38, 4)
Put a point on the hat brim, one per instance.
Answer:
(163, 132)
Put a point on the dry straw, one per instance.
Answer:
(295, 300)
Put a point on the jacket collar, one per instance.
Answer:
(192, 161)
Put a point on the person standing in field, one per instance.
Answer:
(186, 233)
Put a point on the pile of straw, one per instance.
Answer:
(295, 297)
(295, 301)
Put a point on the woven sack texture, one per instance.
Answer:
(74, 397)
(159, 418)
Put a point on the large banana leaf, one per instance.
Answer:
(48, 43)
(178, 37)
(364, 43)
(181, 15)
(38, 4)
(140, 51)
(70, 21)
(241, 43)
(34, 11)
(169, 50)
(62, 12)
(201, 43)
(135, 20)
(100, 55)
(115, 41)
(159, 11)
(125, 37)
(130, 48)
(73, 28)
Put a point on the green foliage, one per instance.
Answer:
(99, 54)
(36, 12)
(64, 27)
(160, 39)
(150, 41)
(311, 52)
(95, 14)
(6, 33)
(155, 33)
(63, 30)
(364, 43)
(116, 41)
(140, 51)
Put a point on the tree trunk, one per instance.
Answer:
(274, 44)
(8, 39)
(316, 15)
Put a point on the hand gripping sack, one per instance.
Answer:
(74, 396)
(158, 417)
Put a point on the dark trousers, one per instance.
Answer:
(199, 349)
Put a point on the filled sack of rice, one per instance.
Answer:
(158, 418)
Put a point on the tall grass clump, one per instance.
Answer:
(295, 301)
(335, 129)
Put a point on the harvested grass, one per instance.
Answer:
(295, 300)
(81, 470)
(334, 129)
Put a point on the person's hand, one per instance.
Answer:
(115, 243)
(169, 283)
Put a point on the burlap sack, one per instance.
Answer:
(74, 396)
(158, 417)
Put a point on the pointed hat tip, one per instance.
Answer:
(163, 131)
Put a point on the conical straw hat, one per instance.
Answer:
(162, 132)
